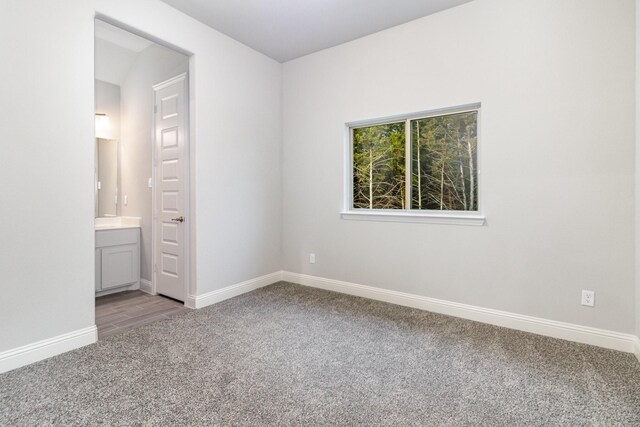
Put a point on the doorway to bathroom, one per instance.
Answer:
(141, 180)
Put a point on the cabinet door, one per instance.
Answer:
(120, 265)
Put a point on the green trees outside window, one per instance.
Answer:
(441, 168)
(379, 167)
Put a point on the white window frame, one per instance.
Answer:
(410, 215)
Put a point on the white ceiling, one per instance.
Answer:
(288, 29)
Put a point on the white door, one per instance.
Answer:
(170, 157)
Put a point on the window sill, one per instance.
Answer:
(425, 218)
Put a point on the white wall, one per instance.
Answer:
(153, 65)
(556, 82)
(637, 164)
(236, 134)
(46, 170)
(47, 116)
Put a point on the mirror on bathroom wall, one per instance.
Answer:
(107, 160)
(107, 178)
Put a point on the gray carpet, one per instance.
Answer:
(289, 355)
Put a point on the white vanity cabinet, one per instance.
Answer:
(117, 260)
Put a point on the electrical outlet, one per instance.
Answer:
(312, 258)
(588, 298)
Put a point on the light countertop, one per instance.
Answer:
(117, 222)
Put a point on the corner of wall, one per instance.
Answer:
(637, 180)
(281, 168)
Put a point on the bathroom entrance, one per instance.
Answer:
(141, 180)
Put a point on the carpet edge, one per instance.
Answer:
(568, 331)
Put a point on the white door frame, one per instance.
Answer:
(186, 188)
(189, 254)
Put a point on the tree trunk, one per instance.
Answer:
(370, 177)
(464, 190)
(471, 171)
(419, 166)
(442, 185)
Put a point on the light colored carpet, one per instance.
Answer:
(289, 355)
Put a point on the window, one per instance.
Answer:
(422, 165)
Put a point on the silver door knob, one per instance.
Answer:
(179, 219)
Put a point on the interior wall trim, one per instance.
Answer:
(213, 297)
(636, 348)
(146, 286)
(551, 328)
(31, 353)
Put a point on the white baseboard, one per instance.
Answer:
(21, 356)
(636, 348)
(551, 328)
(146, 286)
(199, 301)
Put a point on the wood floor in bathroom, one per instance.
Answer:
(116, 313)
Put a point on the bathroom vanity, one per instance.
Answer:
(117, 254)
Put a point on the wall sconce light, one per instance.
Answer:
(103, 126)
